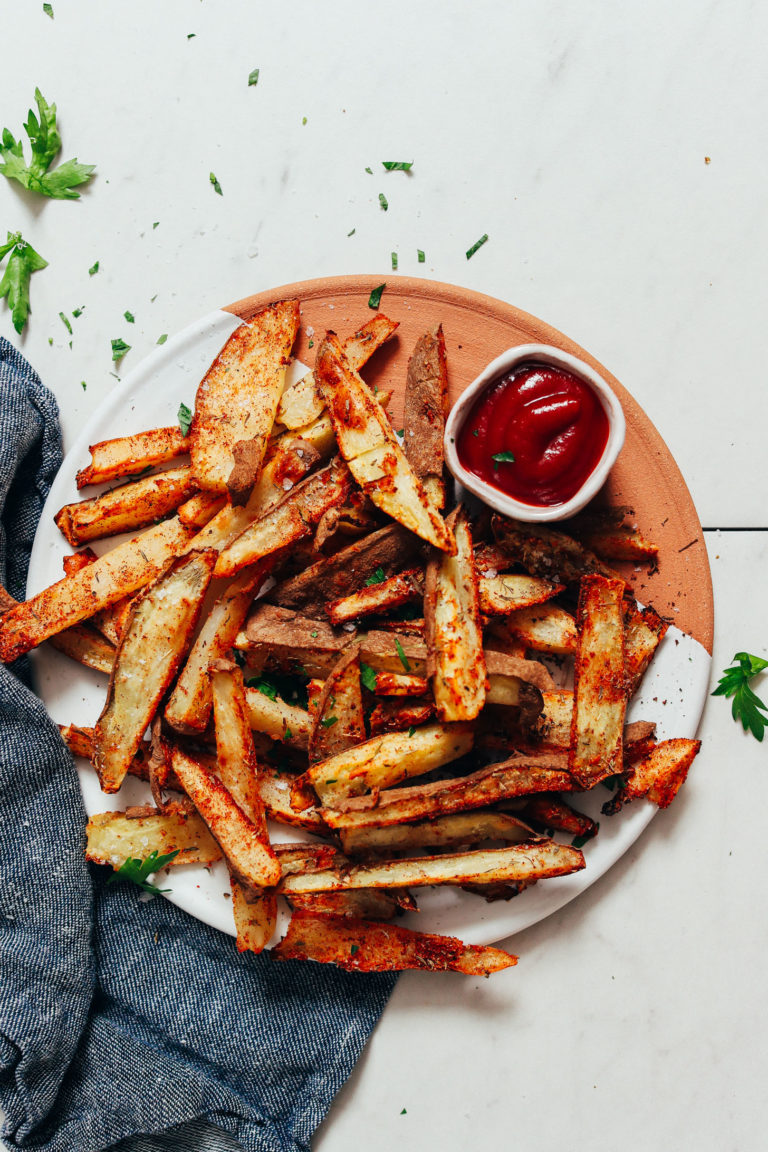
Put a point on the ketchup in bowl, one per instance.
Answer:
(536, 434)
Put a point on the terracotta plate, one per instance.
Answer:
(477, 328)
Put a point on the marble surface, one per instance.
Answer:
(615, 156)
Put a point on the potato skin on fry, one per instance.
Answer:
(365, 946)
(129, 455)
(124, 509)
(113, 837)
(426, 403)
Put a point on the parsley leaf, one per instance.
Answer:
(184, 416)
(374, 300)
(138, 870)
(354, 948)
(45, 142)
(287, 734)
(369, 171)
(502, 458)
(368, 677)
(420, 255)
(130, 317)
(579, 841)
(351, 233)
(398, 165)
(376, 577)
(383, 201)
(65, 321)
(746, 706)
(216, 185)
(402, 655)
(411, 730)
(119, 349)
(162, 339)
(93, 269)
(48, 9)
(253, 78)
(18, 272)
(264, 686)
(477, 244)
(329, 721)
(394, 261)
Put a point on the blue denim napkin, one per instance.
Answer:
(123, 1023)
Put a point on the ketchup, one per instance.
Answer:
(550, 421)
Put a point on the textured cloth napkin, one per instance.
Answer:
(126, 1023)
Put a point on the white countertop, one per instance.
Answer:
(615, 156)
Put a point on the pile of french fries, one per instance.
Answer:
(309, 631)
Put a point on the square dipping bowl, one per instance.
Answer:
(513, 358)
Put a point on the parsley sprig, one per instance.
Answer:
(44, 138)
(18, 272)
(746, 706)
(137, 871)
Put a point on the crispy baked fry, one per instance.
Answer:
(600, 693)
(443, 832)
(543, 628)
(120, 572)
(644, 630)
(255, 920)
(278, 719)
(499, 595)
(371, 449)
(519, 776)
(399, 715)
(366, 904)
(124, 509)
(455, 660)
(130, 455)
(534, 860)
(388, 759)
(546, 552)
(163, 620)
(658, 776)
(200, 509)
(302, 403)
(114, 837)
(85, 646)
(426, 406)
(238, 397)
(338, 722)
(362, 946)
(250, 861)
(377, 598)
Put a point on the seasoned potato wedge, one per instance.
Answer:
(371, 449)
(547, 552)
(426, 406)
(163, 620)
(658, 776)
(363, 946)
(600, 692)
(278, 719)
(377, 598)
(443, 832)
(123, 509)
(338, 722)
(543, 628)
(85, 646)
(238, 397)
(255, 920)
(118, 573)
(455, 660)
(500, 595)
(644, 630)
(129, 455)
(114, 837)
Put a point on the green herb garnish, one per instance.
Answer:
(93, 269)
(369, 171)
(83, 385)
(376, 577)
(329, 721)
(65, 321)
(394, 261)
(77, 312)
(383, 201)
(253, 78)
(214, 181)
(130, 317)
(580, 841)
(264, 686)
(502, 458)
(477, 244)
(162, 339)
(287, 734)
(475, 431)
(747, 707)
(402, 655)
(354, 948)
(18, 272)
(45, 140)
(398, 165)
(48, 9)
(420, 255)
(374, 300)
(119, 349)
(184, 416)
(137, 871)
(368, 677)
(411, 730)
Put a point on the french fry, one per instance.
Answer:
(364, 903)
(519, 776)
(338, 722)
(347, 571)
(658, 776)
(500, 595)
(189, 707)
(371, 449)
(163, 620)
(363, 946)
(442, 832)
(455, 660)
(398, 716)
(535, 860)
(124, 509)
(118, 573)
(275, 791)
(255, 920)
(85, 646)
(278, 719)
(238, 397)
(543, 628)
(289, 521)
(600, 693)
(426, 405)
(110, 622)
(301, 403)
(113, 838)
(551, 811)
(644, 630)
(553, 727)
(386, 760)
(377, 598)
(200, 509)
(400, 684)
(130, 455)
(250, 861)
(546, 552)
